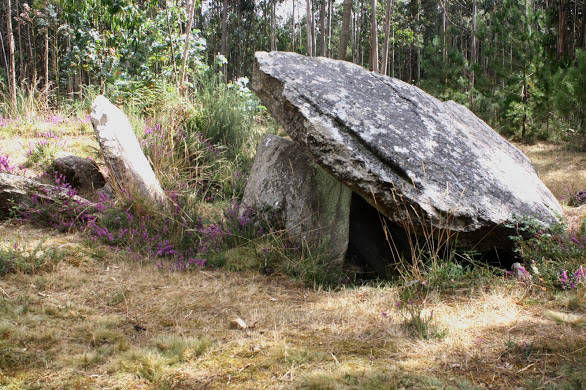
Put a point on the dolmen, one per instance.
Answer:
(417, 168)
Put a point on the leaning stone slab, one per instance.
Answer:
(313, 205)
(408, 154)
(126, 163)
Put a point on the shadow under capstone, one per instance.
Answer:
(378, 253)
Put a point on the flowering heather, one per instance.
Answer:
(47, 134)
(4, 122)
(56, 119)
(154, 130)
(5, 164)
(572, 281)
(577, 199)
(154, 237)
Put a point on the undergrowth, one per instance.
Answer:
(554, 257)
(29, 261)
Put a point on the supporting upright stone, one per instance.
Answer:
(126, 163)
(314, 206)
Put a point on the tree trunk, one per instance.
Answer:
(200, 19)
(11, 71)
(55, 63)
(473, 53)
(343, 49)
(329, 44)
(20, 52)
(418, 51)
(313, 31)
(444, 36)
(293, 28)
(33, 59)
(561, 28)
(583, 29)
(69, 78)
(387, 33)
(225, 37)
(393, 52)
(362, 27)
(46, 66)
(172, 44)
(322, 27)
(273, 28)
(308, 17)
(353, 29)
(187, 36)
(373, 39)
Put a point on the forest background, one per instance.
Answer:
(518, 64)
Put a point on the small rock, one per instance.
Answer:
(82, 173)
(238, 323)
(520, 272)
(139, 328)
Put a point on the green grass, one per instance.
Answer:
(17, 259)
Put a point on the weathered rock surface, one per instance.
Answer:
(17, 189)
(314, 206)
(82, 173)
(405, 152)
(126, 163)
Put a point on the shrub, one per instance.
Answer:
(17, 259)
(415, 322)
(41, 154)
(553, 255)
(225, 114)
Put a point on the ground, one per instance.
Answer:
(88, 316)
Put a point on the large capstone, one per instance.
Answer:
(424, 164)
(313, 205)
(127, 165)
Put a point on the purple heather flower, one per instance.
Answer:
(5, 164)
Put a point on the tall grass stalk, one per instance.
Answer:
(30, 102)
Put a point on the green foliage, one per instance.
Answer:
(179, 349)
(462, 271)
(41, 154)
(570, 96)
(415, 322)
(18, 259)
(554, 256)
(226, 114)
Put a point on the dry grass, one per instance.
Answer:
(562, 170)
(98, 320)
